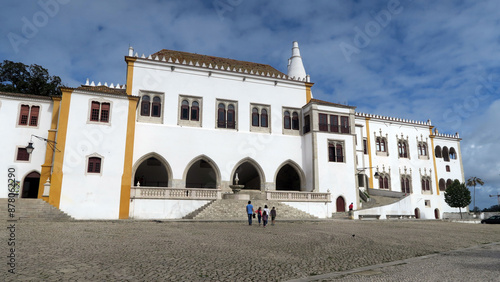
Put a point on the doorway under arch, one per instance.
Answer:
(417, 213)
(201, 174)
(340, 203)
(30, 185)
(248, 175)
(288, 179)
(151, 173)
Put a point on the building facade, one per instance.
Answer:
(187, 126)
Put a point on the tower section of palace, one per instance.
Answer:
(186, 126)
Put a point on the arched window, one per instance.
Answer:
(383, 181)
(438, 152)
(340, 155)
(402, 149)
(221, 116)
(446, 155)
(380, 144)
(426, 184)
(255, 117)
(195, 111)
(405, 184)
(145, 105)
(286, 120)
(442, 185)
(453, 153)
(185, 110)
(448, 183)
(336, 151)
(156, 108)
(295, 121)
(230, 116)
(263, 118)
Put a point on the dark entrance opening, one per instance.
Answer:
(417, 213)
(248, 176)
(201, 175)
(340, 204)
(151, 173)
(30, 185)
(288, 179)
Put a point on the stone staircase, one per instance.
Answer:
(235, 210)
(32, 209)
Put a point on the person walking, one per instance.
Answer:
(273, 215)
(259, 214)
(265, 217)
(351, 206)
(249, 212)
(266, 209)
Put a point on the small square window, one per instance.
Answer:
(94, 165)
(22, 154)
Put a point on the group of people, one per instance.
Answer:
(262, 214)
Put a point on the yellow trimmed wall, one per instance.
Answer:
(49, 152)
(62, 130)
(129, 153)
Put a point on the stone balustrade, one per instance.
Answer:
(288, 196)
(174, 193)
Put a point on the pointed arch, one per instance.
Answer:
(298, 170)
(30, 185)
(203, 159)
(146, 157)
(257, 167)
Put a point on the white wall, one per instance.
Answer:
(91, 195)
(18, 136)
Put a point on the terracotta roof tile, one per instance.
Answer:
(31, 96)
(102, 89)
(226, 63)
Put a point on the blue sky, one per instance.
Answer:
(412, 59)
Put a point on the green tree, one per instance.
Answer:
(472, 182)
(457, 196)
(34, 79)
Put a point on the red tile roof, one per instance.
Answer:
(220, 62)
(102, 89)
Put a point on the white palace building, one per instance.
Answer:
(186, 126)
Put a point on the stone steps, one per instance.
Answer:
(236, 209)
(32, 209)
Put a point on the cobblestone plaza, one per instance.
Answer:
(224, 251)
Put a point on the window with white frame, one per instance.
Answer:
(150, 107)
(291, 121)
(94, 164)
(260, 118)
(22, 155)
(100, 111)
(28, 115)
(336, 151)
(189, 110)
(227, 114)
(406, 183)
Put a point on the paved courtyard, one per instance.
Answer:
(225, 251)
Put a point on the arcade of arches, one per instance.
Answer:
(152, 172)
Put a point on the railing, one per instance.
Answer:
(174, 193)
(288, 196)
